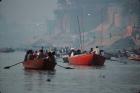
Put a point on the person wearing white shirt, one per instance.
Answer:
(96, 50)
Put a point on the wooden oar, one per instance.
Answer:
(65, 67)
(7, 67)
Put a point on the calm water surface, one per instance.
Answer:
(121, 76)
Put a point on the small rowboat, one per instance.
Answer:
(87, 59)
(136, 58)
(39, 65)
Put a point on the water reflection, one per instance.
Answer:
(113, 77)
(89, 67)
(35, 79)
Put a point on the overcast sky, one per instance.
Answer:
(27, 11)
(21, 20)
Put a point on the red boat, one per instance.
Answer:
(87, 59)
(38, 65)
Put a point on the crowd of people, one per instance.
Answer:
(47, 56)
(95, 50)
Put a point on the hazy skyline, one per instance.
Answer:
(25, 22)
(20, 20)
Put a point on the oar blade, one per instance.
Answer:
(7, 67)
(69, 68)
(65, 67)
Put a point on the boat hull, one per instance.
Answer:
(87, 59)
(134, 58)
(38, 65)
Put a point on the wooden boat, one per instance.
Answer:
(136, 58)
(87, 59)
(7, 50)
(38, 65)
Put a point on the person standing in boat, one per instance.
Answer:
(29, 55)
(78, 51)
(46, 53)
(96, 50)
(91, 50)
(35, 54)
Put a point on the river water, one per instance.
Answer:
(122, 76)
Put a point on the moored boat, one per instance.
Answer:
(87, 59)
(134, 57)
(39, 65)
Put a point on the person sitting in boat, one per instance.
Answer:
(26, 55)
(41, 54)
(30, 55)
(78, 52)
(96, 50)
(51, 57)
(72, 52)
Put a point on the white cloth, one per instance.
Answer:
(38, 53)
(97, 51)
(72, 54)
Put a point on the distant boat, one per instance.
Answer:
(6, 50)
(134, 57)
(87, 59)
(38, 65)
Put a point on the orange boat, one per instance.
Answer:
(38, 65)
(87, 59)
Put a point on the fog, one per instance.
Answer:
(75, 23)
(22, 19)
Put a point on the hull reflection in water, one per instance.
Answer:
(36, 80)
